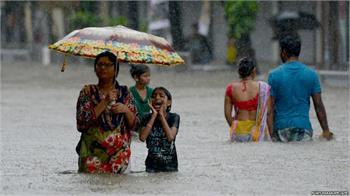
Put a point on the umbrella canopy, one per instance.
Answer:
(295, 20)
(128, 45)
(288, 22)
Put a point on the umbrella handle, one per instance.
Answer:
(64, 64)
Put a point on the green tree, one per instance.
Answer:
(240, 18)
(82, 19)
(119, 20)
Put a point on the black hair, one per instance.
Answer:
(291, 44)
(246, 66)
(138, 70)
(112, 58)
(167, 93)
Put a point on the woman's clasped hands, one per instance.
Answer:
(114, 106)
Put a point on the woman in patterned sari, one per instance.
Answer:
(105, 117)
(249, 99)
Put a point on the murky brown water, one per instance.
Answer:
(38, 138)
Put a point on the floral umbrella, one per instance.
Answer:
(128, 45)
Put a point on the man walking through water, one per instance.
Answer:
(292, 85)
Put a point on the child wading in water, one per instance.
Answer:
(141, 91)
(159, 130)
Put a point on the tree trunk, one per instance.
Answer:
(245, 49)
(176, 25)
(334, 35)
(133, 15)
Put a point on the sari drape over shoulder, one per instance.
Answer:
(258, 129)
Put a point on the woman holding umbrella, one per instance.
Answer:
(105, 116)
(106, 112)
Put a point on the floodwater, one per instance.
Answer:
(38, 138)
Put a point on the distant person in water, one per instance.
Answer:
(201, 52)
(159, 130)
(248, 101)
(105, 117)
(141, 91)
(292, 85)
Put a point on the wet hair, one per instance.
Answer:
(291, 44)
(138, 70)
(246, 66)
(112, 58)
(166, 92)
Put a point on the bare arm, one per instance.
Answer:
(123, 109)
(321, 115)
(87, 113)
(146, 130)
(130, 118)
(228, 110)
(170, 133)
(100, 107)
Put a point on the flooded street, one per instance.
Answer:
(38, 139)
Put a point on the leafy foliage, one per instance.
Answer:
(82, 19)
(240, 17)
(120, 20)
